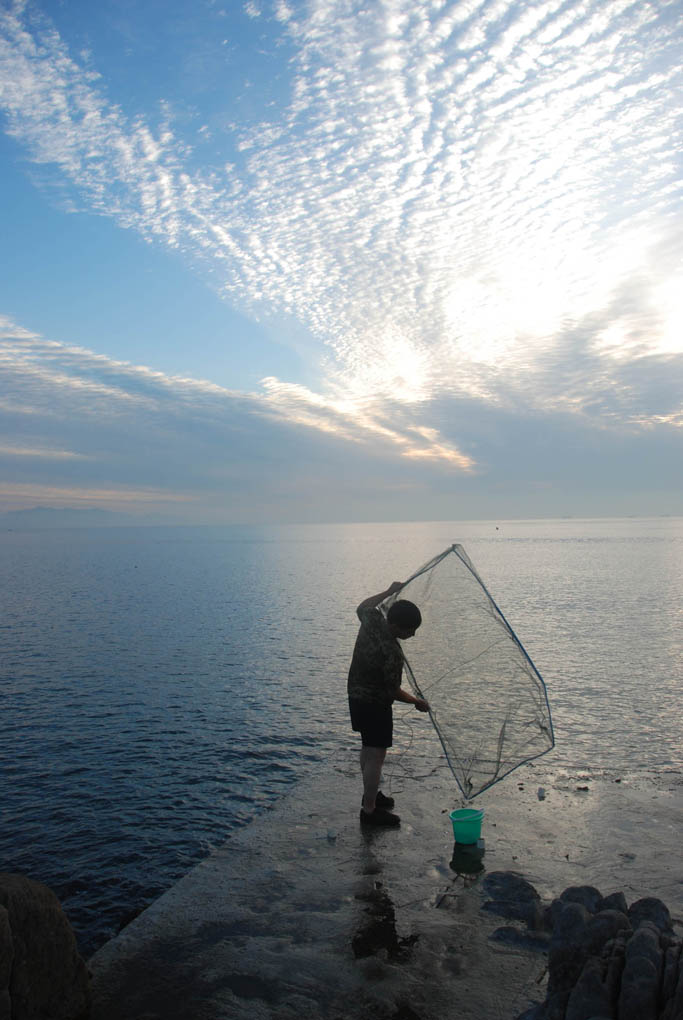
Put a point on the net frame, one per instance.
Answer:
(464, 766)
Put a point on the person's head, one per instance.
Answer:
(403, 618)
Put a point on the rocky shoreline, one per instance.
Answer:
(606, 960)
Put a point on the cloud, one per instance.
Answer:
(46, 453)
(59, 381)
(351, 420)
(90, 431)
(470, 208)
(17, 496)
(450, 193)
(85, 426)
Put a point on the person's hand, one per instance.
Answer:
(421, 705)
(394, 587)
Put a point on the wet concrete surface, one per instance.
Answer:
(304, 914)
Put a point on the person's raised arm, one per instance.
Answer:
(374, 600)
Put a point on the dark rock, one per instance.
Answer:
(645, 943)
(672, 962)
(556, 1006)
(513, 897)
(530, 912)
(590, 996)
(650, 909)
(673, 1009)
(641, 977)
(587, 895)
(606, 960)
(615, 965)
(537, 942)
(595, 990)
(570, 925)
(508, 885)
(6, 959)
(552, 913)
(639, 990)
(404, 1011)
(567, 953)
(48, 980)
(577, 936)
(535, 1012)
(602, 927)
(547, 919)
(615, 901)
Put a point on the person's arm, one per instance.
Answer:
(374, 600)
(409, 699)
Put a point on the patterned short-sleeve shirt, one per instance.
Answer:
(377, 663)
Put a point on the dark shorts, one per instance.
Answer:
(373, 722)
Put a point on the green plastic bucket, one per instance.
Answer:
(467, 824)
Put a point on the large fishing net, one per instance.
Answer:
(487, 700)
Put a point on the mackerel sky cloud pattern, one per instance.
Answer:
(458, 202)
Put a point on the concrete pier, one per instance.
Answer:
(302, 914)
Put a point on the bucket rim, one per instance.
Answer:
(466, 813)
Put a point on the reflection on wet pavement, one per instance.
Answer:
(378, 930)
(468, 860)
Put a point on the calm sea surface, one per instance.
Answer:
(159, 686)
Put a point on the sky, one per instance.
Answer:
(328, 260)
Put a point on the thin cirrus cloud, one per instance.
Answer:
(44, 453)
(450, 190)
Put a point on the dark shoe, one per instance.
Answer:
(384, 802)
(381, 801)
(379, 817)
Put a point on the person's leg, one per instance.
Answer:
(375, 724)
(371, 762)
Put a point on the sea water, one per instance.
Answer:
(160, 686)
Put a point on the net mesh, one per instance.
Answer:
(487, 700)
